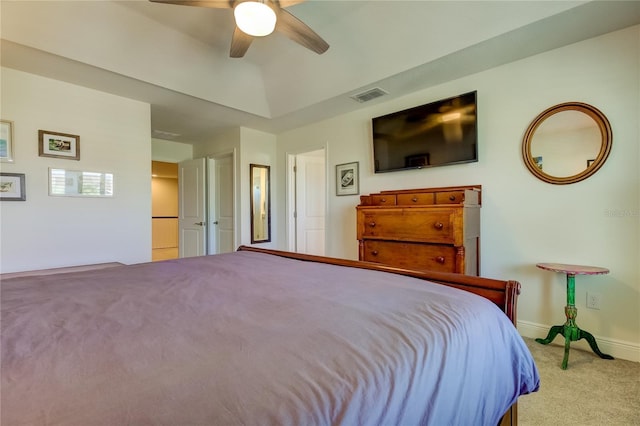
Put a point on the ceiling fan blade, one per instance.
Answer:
(239, 43)
(287, 3)
(299, 32)
(215, 4)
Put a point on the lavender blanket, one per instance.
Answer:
(254, 339)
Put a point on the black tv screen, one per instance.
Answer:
(435, 134)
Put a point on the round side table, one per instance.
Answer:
(569, 329)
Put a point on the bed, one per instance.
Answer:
(261, 337)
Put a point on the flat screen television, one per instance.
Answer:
(435, 134)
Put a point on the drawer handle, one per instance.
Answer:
(452, 197)
(438, 225)
(414, 199)
(383, 200)
(375, 252)
(372, 224)
(440, 259)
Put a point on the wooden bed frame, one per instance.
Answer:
(502, 293)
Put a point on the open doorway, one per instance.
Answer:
(164, 210)
(306, 202)
(193, 207)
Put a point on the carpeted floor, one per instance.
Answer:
(591, 391)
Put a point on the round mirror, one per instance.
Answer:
(567, 143)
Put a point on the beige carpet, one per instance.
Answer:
(591, 391)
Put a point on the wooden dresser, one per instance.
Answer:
(435, 229)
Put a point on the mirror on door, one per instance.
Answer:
(260, 204)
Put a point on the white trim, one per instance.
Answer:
(616, 348)
(290, 189)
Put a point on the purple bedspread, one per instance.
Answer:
(254, 339)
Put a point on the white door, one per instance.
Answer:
(221, 207)
(192, 213)
(310, 194)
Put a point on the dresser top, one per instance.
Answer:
(469, 194)
(439, 189)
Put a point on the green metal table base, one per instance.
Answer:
(570, 330)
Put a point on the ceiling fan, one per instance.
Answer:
(258, 18)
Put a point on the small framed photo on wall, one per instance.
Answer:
(12, 187)
(58, 145)
(347, 179)
(6, 141)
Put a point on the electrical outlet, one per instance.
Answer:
(594, 300)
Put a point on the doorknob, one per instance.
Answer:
(200, 223)
(215, 223)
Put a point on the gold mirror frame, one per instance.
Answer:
(260, 194)
(605, 146)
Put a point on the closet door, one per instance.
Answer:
(192, 217)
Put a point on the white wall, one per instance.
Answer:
(256, 148)
(170, 151)
(45, 231)
(524, 220)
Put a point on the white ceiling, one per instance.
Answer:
(177, 57)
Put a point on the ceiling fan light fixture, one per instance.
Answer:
(450, 116)
(255, 18)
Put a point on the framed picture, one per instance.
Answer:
(58, 145)
(6, 141)
(347, 179)
(12, 187)
(419, 160)
(538, 161)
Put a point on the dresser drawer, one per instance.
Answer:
(431, 257)
(416, 199)
(433, 225)
(449, 197)
(383, 200)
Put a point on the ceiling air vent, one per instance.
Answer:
(368, 95)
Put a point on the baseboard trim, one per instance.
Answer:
(615, 348)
